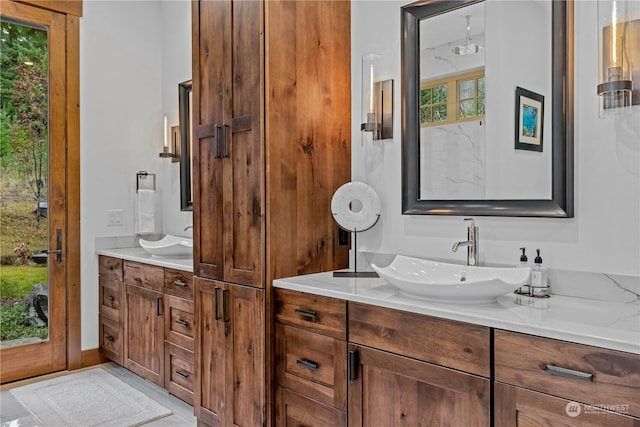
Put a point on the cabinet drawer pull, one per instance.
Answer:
(306, 313)
(557, 370)
(182, 322)
(182, 374)
(110, 338)
(111, 298)
(306, 363)
(354, 361)
(180, 283)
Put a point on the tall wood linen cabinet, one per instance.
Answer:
(271, 144)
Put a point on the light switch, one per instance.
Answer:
(114, 217)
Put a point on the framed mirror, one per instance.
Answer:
(487, 108)
(184, 113)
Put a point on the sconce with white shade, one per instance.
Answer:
(377, 101)
(616, 48)
(171, 142)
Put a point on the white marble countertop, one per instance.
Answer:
(612, 325)
(140, 255)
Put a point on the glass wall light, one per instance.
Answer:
(171, 142)
(615, 47)
(377, 101)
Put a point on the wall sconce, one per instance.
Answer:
(174, 135)
(618, 40)
(377, 101)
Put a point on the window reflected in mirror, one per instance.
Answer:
(185, 109)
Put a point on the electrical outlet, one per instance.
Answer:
(114, 217)
(343, 237)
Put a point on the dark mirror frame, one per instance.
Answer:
(184, 96)
(561, 203)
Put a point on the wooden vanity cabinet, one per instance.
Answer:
(311, 354)
(111, 307)
(444, 381)
(230, 344)
(542, 380)
(144, 321)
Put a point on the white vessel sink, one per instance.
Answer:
(439, 281)
(169, 246)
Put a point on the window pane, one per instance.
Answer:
(425, 114)
(425, 96)
(481, 86)
(440, 94)
(481, 106)
(467, 89)
(467, 108)
(440, 113)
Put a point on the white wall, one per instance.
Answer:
(127, 83)
(604, 236)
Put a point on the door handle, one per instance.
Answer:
(216, 143)
(58, 251)
(159, 306)
(217, 304)
(354, 361)
(225, 314)
(225, 153)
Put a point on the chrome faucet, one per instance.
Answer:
(471, 243)
(188, 227)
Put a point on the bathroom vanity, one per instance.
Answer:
(395, 359)
(146, 317)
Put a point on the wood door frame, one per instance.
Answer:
(70, 13)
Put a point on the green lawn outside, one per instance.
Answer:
(17, 281)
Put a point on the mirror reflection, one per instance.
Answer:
(184, 113)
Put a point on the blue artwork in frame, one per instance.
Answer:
(529, 120)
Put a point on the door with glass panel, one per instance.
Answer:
(32, 191)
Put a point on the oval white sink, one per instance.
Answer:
(169, 246)
(439, 281)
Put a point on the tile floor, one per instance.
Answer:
(13, 414)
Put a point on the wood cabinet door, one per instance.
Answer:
(519, 407)
(228, 152)
(390, 390)
(210, 353)
(230, 354)
(144, 333)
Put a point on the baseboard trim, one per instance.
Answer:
(92, 357)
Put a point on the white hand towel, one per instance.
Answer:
(145, 211)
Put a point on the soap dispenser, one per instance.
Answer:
(539, 283)
(526, 289)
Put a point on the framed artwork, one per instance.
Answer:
(529, 120)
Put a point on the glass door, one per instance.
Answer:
(32, 192)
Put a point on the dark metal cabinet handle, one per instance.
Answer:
(159, 306)
(565, 372)
(306, 363)
(180, 283)
(182, 322)
(182, 374)
(306, 313)
(216, 143)
(354, 361)
(225, 152)
(225, 314)
(111, 298)
(110, 338)
(217, 304)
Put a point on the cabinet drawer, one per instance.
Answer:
(293, 409)
(179, 374)
(312, 364)
(111, 298)
(179, 325)
(144, 275)
(316, 313)
(110, 268)
(596, 376)
(111, 339)
(178, 283)
(448, 343)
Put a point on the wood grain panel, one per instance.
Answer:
(178, 283)
(72, 7)
(393, 390)
(110, 268)
(111, 298)
(616, 375)
(330, 313)
(179, 373)
(296, 410)
(179, 321)
(111, 336)
(143, 275)
(519, 407)
(457, 345)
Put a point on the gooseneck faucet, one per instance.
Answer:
(471, 243)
